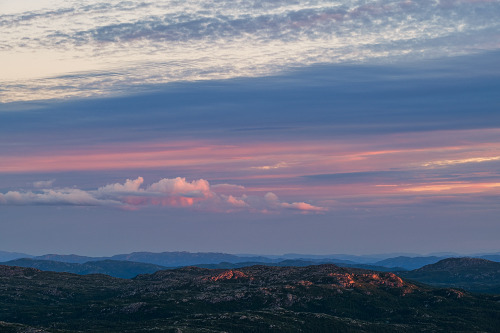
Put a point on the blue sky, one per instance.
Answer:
(249, 126)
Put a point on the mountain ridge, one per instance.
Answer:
(114, 268)
(184, 258)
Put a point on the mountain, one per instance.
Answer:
(166, 259)
(121, 269)
(69, 258)
(408, 263)
(491, 257)
(130, 269)
(323, 298)
(473, 274)
(346, 258)
(177, 259)
(6, 256)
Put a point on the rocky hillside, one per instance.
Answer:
(322, 298)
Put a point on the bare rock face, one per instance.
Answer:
(227, 275)
(270, 278)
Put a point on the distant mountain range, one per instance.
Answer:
(130, 269)
(115, 268)
(6, 256)
(472, 274)
(178, 259)
(408, 263)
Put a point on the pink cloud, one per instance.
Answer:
(274, 202)
(303, 206)
(179, 192)
(236, 202)
(179, 186)
(171, 192)
(283, 168)
(264, 160)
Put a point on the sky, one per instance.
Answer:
(263, 127)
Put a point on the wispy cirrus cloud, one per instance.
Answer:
(102, 47)
(461, 161)
(168, 192)
(271, 167)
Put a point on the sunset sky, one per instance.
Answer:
(258, 126)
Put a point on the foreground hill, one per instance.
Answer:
(322, 298)
(115, 268)
(472, 274)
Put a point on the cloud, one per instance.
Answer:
(226, 39)
(273, 202)
(179, 192)
(461, 161)
(43, 183)
(229, 187)
(456, 187)
(237, 202)
(73, 197)
(169, 192)
(130, 185)
(303, 206)
(274, 166)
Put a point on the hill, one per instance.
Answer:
(69, 258)
(322, 298)
(176, 259)
(6, 256)
(297, 263)
(121, 269)
(473, 274)
(183, 258)
(407, 263)
(130, 269)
